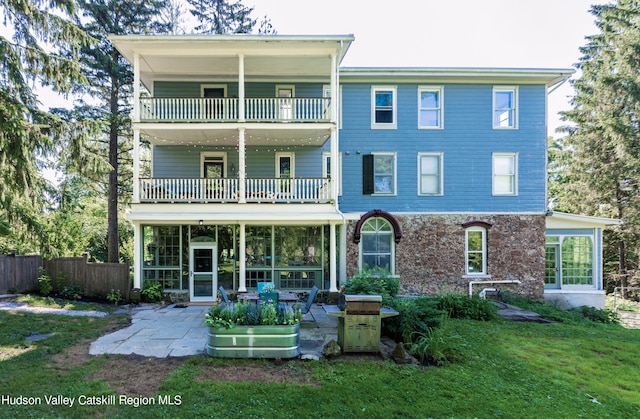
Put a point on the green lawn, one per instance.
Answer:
(500, 370)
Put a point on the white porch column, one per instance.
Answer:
(136, 87)
(335, 162)
(242, 282)
(242, 175)
(136, 165)
(241, 116)
(137, 255)
(332, 259)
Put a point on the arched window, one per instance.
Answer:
(377, 244)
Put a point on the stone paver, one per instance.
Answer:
(172, 331)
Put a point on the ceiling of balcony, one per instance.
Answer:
(203, 135)
(200, 57)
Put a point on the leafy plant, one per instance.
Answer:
(44, 281)
(114, 296)
(374, 281)
(416, 315)
(248, 313)
(460, 306)
(71, 292)
(152, 291)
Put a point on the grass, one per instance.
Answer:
(503, 369)
(50, 302)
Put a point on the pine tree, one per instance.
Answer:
(602, 171)
(111, 83)
(218, 17)
(43, 50)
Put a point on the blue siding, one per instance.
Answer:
(192, 89)
(467, 141)
(184, 162)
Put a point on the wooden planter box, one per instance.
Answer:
(254, 342)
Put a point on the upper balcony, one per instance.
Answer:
(256, 109)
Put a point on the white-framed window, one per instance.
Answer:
(285, 165)
(379, 174)
(430, 105)
(430, 174)
(384, 107)
(569, 261)
(326, 169)
(475, 251)
(505, 107)
(376, 245)
(505, 173)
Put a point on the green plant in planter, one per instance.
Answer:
(152, 291)
(248, 313)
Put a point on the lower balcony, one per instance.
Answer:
(229, 190)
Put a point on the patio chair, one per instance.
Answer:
(223, 294)
(312, 296)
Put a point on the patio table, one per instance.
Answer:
(283, 296)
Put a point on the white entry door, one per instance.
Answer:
(203, 272)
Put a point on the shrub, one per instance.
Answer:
(416, 315)
(152, 291)
(459, 306)
(574, 315)
(435, 346)
(374, 281)
(45, 282)
(598, 315)
(71, 292)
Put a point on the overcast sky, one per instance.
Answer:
(447, 33)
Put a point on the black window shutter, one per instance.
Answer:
(367, 174)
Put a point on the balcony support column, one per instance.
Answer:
(137, 255)
(242, 272)
(242, 175)
(241, 112)
(335, 161)
(136, 165)
(333, 271)
(136, 87)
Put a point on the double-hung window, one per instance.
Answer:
(379, 174)
(505, 107)
(475, 251)
(383, 107)
(430, 107)
(505, 173)
(430, 174)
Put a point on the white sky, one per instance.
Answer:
(442, 33)
(447, 33)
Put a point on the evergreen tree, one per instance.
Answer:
(43, 50)
(111, 83)
(600, 156)
(217, 17)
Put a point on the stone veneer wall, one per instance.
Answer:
(430, 257)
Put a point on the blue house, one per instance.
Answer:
(271, 162)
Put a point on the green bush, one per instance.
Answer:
(152, 291)
(459, 306)
(574, 316)
(71, 292)
(416, 315)
(376, 282)
(45, 282)
(598, 315)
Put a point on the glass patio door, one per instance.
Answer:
(203, 272)
(552, 266)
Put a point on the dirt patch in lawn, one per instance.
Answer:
(259, 373)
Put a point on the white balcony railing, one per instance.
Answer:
(226, 109)
(299, 190)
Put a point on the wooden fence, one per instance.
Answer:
(20, 274)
